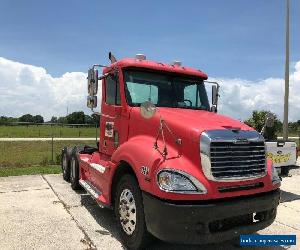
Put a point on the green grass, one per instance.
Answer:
(30, 170)
(39, 153)
(47, 131)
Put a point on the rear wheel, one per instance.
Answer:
(74, 173)
(129, 214)
(66, 154)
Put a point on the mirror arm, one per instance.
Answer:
(95, 113)
(99, 66)
(103, 76)
(262, 132)
(218, 85)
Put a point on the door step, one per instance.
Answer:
(94, 192)
(90, 188)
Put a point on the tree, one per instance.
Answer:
(53, 119)
(293, 127)
(62, 119)
(38, 119)
(88, 119)
(76, 118)
(258, 119)
(96, 119)
(26, 118)
(5, 119)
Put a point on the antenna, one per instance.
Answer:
(112, 57)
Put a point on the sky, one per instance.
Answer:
(46, 48)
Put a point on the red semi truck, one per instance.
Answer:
(166, 162)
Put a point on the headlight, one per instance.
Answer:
(275, 177)
(179, 182)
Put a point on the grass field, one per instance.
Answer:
(30, 170)
(27, 154)
(47, 131)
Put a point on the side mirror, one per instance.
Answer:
(215, 95)
(269, 120)
(91, 102)
(92, 82)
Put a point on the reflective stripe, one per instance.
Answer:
(98, 167)
(85, 159)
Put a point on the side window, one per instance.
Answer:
(191, 94)
(112, 90)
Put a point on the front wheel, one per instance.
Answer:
(129, 212)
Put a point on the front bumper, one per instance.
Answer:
(203, 222)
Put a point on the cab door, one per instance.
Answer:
(113, 124)
(111, 119)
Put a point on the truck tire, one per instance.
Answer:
(129, 212)
(285, 170)
(66, 154)
(74, 173)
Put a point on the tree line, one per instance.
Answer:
(74, 118)
(258, 118)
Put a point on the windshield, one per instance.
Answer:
(174, 91)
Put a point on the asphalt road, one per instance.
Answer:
(42, 212)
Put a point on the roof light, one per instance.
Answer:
(140, 57)
(177, 63)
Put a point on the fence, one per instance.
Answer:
(40, 144)
(22, 129)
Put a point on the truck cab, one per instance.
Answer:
(167, 163)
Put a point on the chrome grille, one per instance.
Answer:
(230, 160)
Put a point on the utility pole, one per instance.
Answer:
(287, 72)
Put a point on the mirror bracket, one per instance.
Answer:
(214, 109)
(215, 95)
(95, 112)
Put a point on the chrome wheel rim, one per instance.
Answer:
(64, 163)
(72, 169)
(127, 211)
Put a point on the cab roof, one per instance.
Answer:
(152, 65)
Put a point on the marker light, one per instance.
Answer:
(140, 57)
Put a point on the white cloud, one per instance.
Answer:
(240, 97)
(29, 89)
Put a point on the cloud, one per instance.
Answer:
(239, 97)
(29, 89)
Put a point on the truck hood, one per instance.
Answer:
(184, 123)
(199, 120)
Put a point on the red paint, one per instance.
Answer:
(137, 136)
